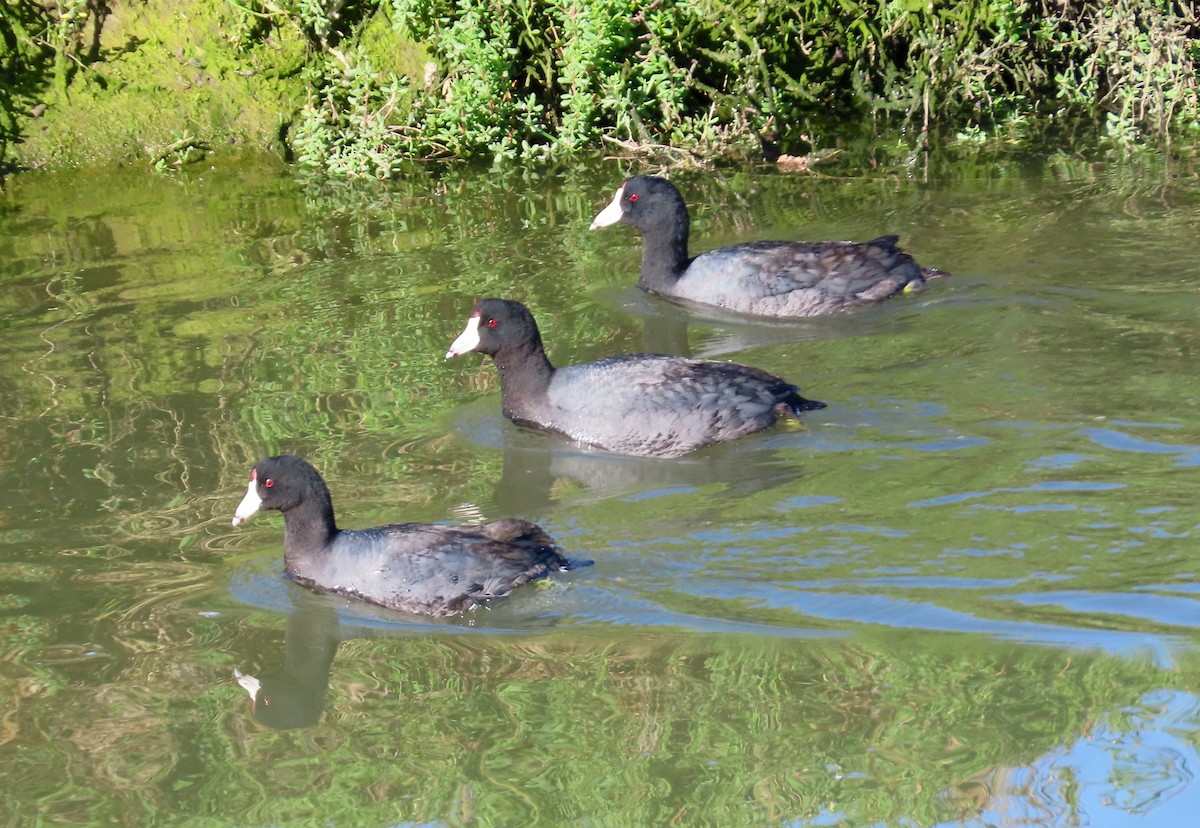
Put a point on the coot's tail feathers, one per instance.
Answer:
(512, 530)
(892, 244)
(798, 404)
(524, 533)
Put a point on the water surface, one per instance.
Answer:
(963, 594)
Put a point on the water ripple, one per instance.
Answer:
(1146, 605)
(1120, 441)
(1045, 486)
(921, 615)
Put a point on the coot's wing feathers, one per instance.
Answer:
(438, 570)
(512, 530)
(798, 278)
(662, 406)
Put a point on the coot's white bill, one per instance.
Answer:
(250, 502)
(610, 214)
(468, 340)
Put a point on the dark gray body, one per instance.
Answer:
(422, 568)
(769, 278)
(653, 405)
(797, 278)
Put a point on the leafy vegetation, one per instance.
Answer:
(380, 82)
(692, 80)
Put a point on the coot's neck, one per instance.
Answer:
(525, 374)
(308, 531)
(664, 254)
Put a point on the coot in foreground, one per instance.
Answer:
(412, 567)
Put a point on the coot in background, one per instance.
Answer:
(766, 278)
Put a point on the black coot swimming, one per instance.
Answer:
(642, 404)
(422, 568)
(766, 278)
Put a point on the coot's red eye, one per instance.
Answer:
(268, 482)
(633, 197)
(491, 323)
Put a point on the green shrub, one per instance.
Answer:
(691, 80)
(539, 78)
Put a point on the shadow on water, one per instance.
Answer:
(537, 472)
(668, 323)
(539, 468)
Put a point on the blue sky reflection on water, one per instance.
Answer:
(1141, 777)
(1134, 779)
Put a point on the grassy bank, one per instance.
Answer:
(356, 88)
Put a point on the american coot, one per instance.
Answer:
(763, 278)
(413, 567)
(644, 404)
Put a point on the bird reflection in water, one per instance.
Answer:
(294, 696)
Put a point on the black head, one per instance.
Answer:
(494, 325)
(281, 483)
(644, 201)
